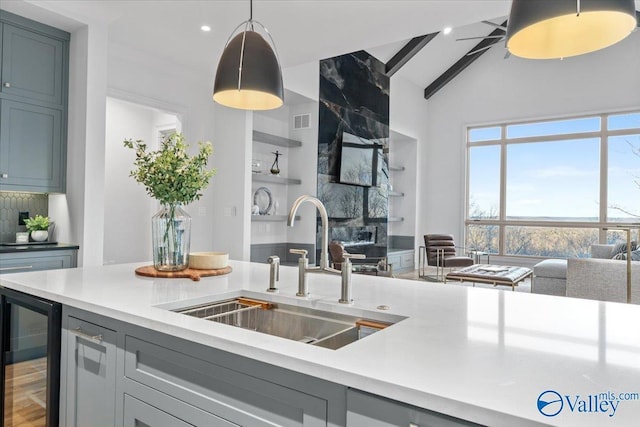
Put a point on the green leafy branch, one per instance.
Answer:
(169, 174)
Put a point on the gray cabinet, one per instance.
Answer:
(175, 414)
(219, 390)
(403, 261)
(18, 262)
(90, 374)
(34, 70)
(145, 378)
(32, 65)
(364, 409)
(32, 156)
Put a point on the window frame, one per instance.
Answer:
(602, 224)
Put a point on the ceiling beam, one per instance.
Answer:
(462, 63)
(407, 52)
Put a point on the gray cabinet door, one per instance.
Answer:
(140, 414)
(367, 410)
(32, 65)
(91, 375)
(32, 156)
(215, 389)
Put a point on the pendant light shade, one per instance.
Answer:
(249, 75)
(548, 29)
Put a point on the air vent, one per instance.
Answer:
(302, 121)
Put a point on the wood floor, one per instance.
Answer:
(26, 383)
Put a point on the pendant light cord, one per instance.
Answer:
(577, 7)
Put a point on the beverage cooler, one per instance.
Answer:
(30, 357)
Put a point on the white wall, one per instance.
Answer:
(231, 211)
(494, 90)
(127, 207)
(79, 213)
(407, 112)
(144, 79)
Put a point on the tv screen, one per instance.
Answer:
(360, 160)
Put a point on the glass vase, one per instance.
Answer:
(171, 235)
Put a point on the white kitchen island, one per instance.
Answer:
(481, 355)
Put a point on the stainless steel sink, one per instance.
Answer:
(306, 325)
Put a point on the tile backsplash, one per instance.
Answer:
(13, 202)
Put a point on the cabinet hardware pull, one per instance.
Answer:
(95, 338)
(7, 84)
(4, 175)
(16, 268)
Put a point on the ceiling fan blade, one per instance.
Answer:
(480, 50)
(503, 28)
(481, 37)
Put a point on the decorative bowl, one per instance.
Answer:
(208, 260)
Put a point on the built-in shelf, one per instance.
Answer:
(395, 219)
(271, 218)
(396, 194)
(274, 179)
(280, 141)
(397, 168)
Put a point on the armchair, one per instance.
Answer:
(441, 253)
(377, 266)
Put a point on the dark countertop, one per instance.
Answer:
(27, 247)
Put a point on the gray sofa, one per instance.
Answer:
(598, 277)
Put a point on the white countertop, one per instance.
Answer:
(479, 354)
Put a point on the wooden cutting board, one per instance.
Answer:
(189, 273)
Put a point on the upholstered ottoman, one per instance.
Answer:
(550, 277)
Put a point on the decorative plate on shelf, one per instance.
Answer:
(263, 199)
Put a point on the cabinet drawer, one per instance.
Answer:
(365, 409)
(406, 260)
(229, 394)
(138, 413)
(9, 264)
(394, 260)
(91, 374)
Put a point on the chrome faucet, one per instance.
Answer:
(324, 242)
(303, 264)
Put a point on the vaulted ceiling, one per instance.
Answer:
(304, 30)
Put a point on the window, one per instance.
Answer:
(552, 188)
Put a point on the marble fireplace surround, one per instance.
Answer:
(354, 99)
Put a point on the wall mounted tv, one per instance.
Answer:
(362, 162)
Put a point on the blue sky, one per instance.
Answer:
(561, 178)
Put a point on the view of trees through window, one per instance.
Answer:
(553, 188)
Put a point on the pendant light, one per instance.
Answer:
(548, 29)
(249, 75)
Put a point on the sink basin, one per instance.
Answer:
(306, 325)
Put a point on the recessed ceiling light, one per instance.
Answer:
(447, 30)
(205, 28)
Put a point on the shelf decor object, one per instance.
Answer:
(275, 167)
(553, 29)
(249, 76)
(174, 178)
(38, 227)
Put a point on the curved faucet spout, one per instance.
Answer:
(324, 251)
